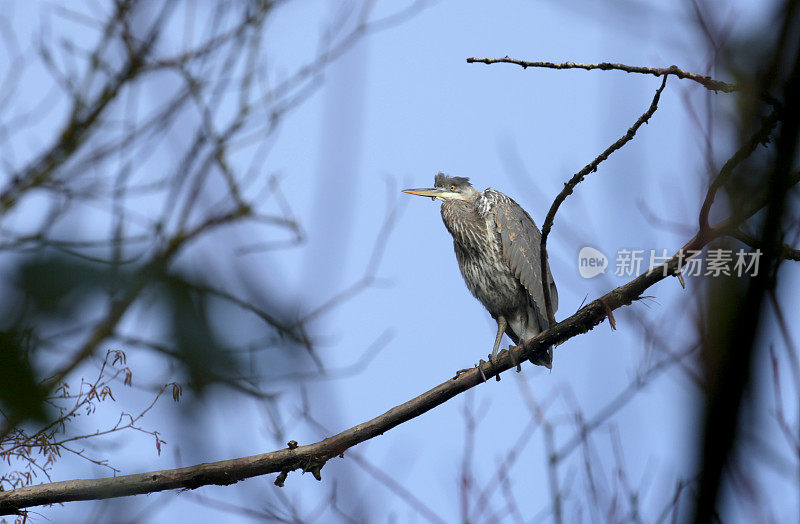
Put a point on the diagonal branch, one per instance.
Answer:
(313, 457)
(576, 179)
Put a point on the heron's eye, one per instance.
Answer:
(452, 188)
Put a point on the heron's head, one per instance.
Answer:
(447, 188)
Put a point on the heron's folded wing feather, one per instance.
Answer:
(521, 250)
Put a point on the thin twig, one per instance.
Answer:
(786, 252)
(759, 137)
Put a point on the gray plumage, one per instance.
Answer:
(497, 248)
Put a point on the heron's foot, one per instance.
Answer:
(479, 365)
(513, 358)
(493, 362)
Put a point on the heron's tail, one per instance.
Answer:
(544, 359)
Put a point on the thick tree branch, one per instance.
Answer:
(313, 457)
(707, 82)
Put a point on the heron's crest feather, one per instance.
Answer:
(443, 180)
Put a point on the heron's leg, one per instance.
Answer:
(501, 328)
(522, 340)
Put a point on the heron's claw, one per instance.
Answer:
(479, 365)
(513, 358)
(492, 361)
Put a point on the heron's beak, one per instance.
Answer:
(433, 192)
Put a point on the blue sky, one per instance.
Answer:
(400, 106)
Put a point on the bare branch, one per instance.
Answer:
(759, 137)
(705, 81)
(786, 252)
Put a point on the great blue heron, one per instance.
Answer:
(497, 247)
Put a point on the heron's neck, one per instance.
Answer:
(459, 216)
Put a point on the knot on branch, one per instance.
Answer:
(281, 478)
(313, 466)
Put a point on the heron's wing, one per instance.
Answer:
(521, 250)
